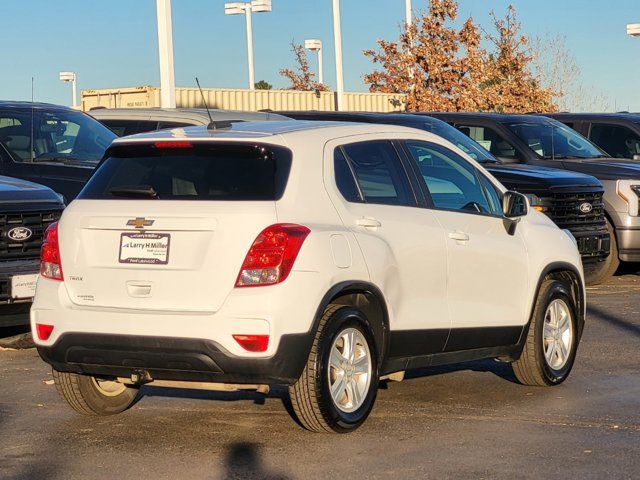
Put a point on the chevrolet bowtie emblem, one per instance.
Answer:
(140, 222)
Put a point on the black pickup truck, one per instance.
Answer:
(52, 145)
(26, 210)
(541, 141)
(557, 193)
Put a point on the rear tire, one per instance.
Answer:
(342, 331)
(553, 324)
(600, 272)
(92, 396)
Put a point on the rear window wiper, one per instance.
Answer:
(135, 191)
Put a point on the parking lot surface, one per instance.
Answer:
(467, 421)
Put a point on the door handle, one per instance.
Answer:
(459, 236)
(368, 222)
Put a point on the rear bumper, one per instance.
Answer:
(166, 358)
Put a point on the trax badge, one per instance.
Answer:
(585, 207)
(140, 222)
(20, 234)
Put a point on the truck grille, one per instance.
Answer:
(565, 210)
(35, 221)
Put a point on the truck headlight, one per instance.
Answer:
(629, 191)
(536, 202)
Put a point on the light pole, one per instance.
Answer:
(315, 45)
(408, 12)
(337, 40)
(633, 29)
(67, 77)
(165, 52)
(246, 8)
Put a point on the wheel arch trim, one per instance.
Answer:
(577, 288)
(381, 334)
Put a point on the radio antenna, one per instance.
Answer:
(33, 153)
(212, 125)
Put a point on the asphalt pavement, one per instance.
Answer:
(470, 421)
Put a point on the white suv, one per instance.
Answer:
(320, 256)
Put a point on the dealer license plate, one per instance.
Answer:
(145, 248)
(23, 286)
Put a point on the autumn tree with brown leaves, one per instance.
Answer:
(509, 84)
(438, 67)
(303, 78)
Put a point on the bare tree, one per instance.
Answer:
(557, 69)
(302, 78)
(509, 83)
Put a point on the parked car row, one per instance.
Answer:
(192, 253)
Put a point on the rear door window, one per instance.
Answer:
(122, 128)
(379, 174)
(490, 140)
(616, 140)
(191, 172)
(169, 125)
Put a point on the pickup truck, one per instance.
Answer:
(26, 210)
(49, 144)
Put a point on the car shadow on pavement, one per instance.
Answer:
(18, 463)
(243, 461)
(225, 396)
(616, 322)
(500, 369)
(628, 269)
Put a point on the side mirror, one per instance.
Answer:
(514, 205)
(636, 157)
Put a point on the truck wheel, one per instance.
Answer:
(600, 272)
(552, 340)
(338, 386)
(93, 396)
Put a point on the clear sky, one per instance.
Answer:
(113, 43)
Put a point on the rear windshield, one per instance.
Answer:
(196, 172)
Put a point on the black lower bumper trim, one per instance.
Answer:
(593, 246)
(14, 314)
(168, 358)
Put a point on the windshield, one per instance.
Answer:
(58, 135)
(464, 143)
(554, 142)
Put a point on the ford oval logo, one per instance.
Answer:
(585, 207)
(20, 234)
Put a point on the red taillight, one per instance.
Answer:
(173, 144)
(253, 343)
(43, 331)
(272, 254)
(50, 264)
